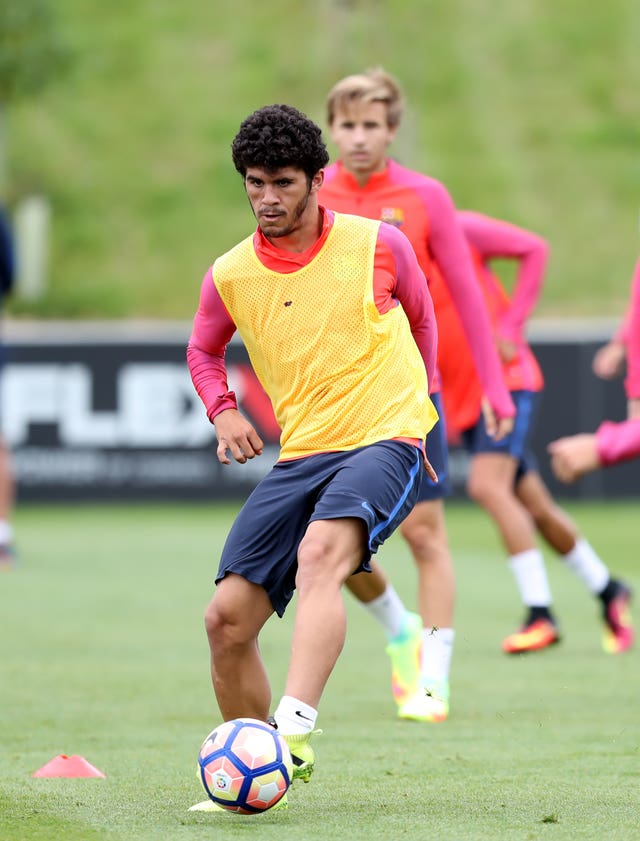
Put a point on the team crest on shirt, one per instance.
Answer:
(393, 215)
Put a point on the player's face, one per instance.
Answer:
(362, 137)
(280, 199)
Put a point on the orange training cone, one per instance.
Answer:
(68, 766)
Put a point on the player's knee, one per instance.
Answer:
(321, 562)
(213, 622)
(225, 628)
(478, 489)
(419, 535)
(313, 559)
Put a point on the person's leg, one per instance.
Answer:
(563, 536)
(551, 521)
(233, 620)
(403, 629)
(329, 553)
(420, 645)
(425, 532)
(491, 485)
(363, 503)
(7, 493)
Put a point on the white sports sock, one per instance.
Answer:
(6, 532)
(435, 660)
(587, 565)
(531, 578)
(389, 611)
(294, 717)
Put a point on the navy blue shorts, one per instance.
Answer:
(379, 484)
(438, 454)
(516, 444)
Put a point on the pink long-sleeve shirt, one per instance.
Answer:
(422, 208)
(490, 239)
(494, 239)
(397, 280)
(617, 442)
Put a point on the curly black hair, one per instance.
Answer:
(278, 136)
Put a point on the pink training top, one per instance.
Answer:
(491, 239)
(397, 279)
(495, 239)
(618, 442)
(632, 381)
(422, 208)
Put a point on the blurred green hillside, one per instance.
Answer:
(526, 110)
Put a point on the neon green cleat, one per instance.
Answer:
(302, 754)
(210, 806)
(427, 705)
(404, 653)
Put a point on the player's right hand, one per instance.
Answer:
(497, 428)
(236, 435)
(609, 360)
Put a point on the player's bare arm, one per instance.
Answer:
(237, 436)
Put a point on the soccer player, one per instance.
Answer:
(503, 477)
(363, 113)
(337, 319)
(612, 443)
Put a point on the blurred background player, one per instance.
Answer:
(503, 477)
(612, 443)
(339, 325)
(7, 275)
(363, 113)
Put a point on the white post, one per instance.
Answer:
(31, 230)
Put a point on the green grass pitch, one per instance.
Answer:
(103, 654)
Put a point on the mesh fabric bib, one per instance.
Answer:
(339, 374)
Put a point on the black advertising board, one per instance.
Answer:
(113, 418)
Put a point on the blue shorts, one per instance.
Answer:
(438, 454)
(379, 484)
(516, 444)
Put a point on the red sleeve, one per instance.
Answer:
(410, 289)
(212, 331)
(451, 252)
(632, 381)
(494, 239)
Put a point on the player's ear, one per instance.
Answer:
(317, 181)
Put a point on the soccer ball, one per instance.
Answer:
(245, 766)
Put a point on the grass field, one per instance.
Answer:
(103, 654)
(525, 110)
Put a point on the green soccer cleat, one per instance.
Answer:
(431, 705)
(302, 754)
(210, 806)
(404, 653)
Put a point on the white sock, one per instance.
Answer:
(531, 578)
(587, 565)
(6, 532)
(435, 660)
(294, 717)
(389, 611)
